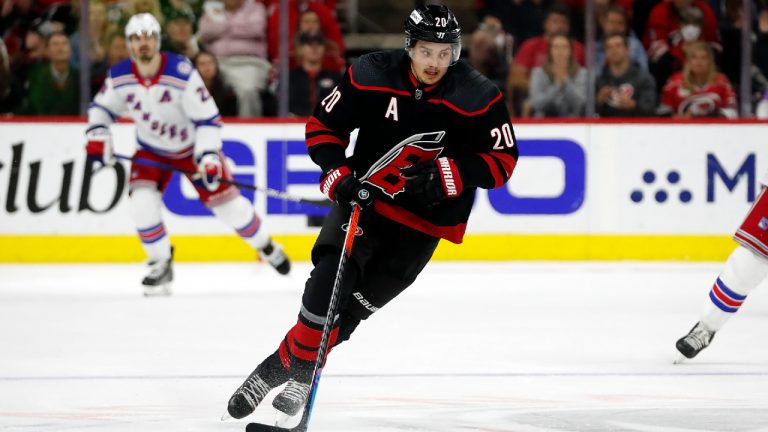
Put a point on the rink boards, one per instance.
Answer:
(581, 191)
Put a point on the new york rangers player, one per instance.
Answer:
(746, 268)
(177, 124)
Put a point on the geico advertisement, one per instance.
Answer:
(603, 179)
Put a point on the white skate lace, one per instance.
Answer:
(254, 389)
(698, 338)
(295, 391)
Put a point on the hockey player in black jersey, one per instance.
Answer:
(431, 131)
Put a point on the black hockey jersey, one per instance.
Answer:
(403, 123)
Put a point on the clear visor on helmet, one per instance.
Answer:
(441, 55)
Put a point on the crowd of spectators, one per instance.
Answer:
(678, 58)
(233, 44)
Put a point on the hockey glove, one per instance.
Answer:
(432, 182)
(99, 147)
(340, 186)
(210, 168)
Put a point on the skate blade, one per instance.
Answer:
(226, 417)
(163, 290)
(680, 359)
(287, 421)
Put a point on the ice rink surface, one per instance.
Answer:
(524, 347)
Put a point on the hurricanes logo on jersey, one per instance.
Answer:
(418, 148)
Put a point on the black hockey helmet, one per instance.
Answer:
(433, 23)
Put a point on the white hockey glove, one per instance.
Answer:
(210, 168)
(99, 147)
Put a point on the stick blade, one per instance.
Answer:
(258, 427)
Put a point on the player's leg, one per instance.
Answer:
(396, 262)
(239, 214)
(297, 352)
(742, 273)
(145, 199)
(229, 206)
(745, 268)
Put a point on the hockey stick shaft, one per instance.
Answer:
(268, 191)
(330, 318)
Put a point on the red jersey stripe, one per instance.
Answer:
(498, 179)
(466, 113)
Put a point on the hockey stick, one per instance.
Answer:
(268, 191)
(346, 251)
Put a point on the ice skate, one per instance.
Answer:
(158, 281)
(292, 398)
(694, 342)
(268, 375)
(273, 254)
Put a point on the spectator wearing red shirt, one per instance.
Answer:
(534, 52)
(328, 25)
(664, 37)
(699, 90)
(309, 82)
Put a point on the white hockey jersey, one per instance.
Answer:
(175, 116)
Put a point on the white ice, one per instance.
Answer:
(524, 347)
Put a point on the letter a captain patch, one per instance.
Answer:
(392, 109)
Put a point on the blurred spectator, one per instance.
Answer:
(559, 86)
(328, 25)
(32, 53)
(486, 54)
(761, 44)
(671, 26)
(5, 72)
(190, 8)
(521, 19)
(179, 34)
(117, 51)
(762, 107)
(16, 19)
(10, 89)
(97, 27)
(623, 89)
(134, 7)
(310, 82)
(731, 26)
(53, 86)
(235, 32)
(309, 22)
(223, 94)
(534, 53)
(614, 21)
(699, 90)
(57, 18)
